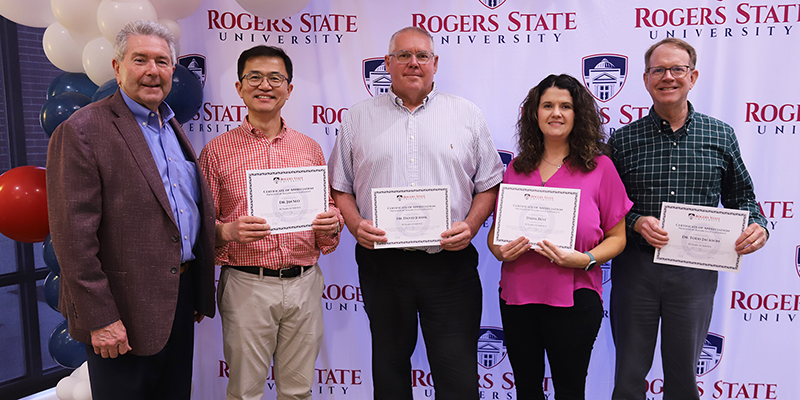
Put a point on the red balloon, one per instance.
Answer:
(23, 204)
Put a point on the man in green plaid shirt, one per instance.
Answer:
(677, 155)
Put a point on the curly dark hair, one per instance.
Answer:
(586, 141)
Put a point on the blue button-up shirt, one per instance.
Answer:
(178, 175)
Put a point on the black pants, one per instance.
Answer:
(442, 291)
(567, 334)
(165, 375)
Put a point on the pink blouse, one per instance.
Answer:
(532, 278)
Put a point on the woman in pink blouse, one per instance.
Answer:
(550, 299)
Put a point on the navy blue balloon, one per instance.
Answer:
(105, 90)
(65, 350)
(71, 82)
(57, 109)
(49, 256)
(51, 290)
(186, 96)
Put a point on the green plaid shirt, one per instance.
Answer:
(699, 164)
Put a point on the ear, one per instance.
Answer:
(239, 88)
(693, 78)
(435, 63)
(115, 65)
(289, 91)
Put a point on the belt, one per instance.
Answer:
(184, 267)
(289, 272)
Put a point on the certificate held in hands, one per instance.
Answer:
(288, 198)
(411, 216)
(538, 213)
(701, 237)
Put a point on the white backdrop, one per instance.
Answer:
(748, 57)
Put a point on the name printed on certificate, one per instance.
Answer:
(288, 198)
(411, 216)
(538, 213)
(701, 237)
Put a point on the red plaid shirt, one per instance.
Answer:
(224, 162)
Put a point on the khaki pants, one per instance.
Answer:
(265, 318)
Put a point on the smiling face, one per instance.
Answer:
(667, 91)
(411, 81)
(145, 72)
(556, 114)
(264, 99)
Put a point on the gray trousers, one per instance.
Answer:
(644, 292)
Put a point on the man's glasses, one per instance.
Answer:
(254, 79)
(677, 71)
(403, 56)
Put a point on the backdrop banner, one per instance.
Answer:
(491, 53)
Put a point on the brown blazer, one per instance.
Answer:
(113, 230)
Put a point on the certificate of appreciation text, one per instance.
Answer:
(537, 213)
(701, 237)
(288, 198)
(411, 216)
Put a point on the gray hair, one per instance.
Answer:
(142, 27)
(413, 29)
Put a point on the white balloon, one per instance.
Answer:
(273, 9)
(65, 387)
(61, 49)
(34, 13)
(175, 9)
(79, 16)
(83, 371)
(113, 14)
(173, 27)
(97, 56)
(82, 391)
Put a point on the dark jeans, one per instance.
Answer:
(644, 293)
(566, 334)
(443, 292)
(165, 375)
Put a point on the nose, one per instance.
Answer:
(152, 68)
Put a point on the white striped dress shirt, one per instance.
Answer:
(444, 141)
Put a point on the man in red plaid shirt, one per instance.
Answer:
(270, 286)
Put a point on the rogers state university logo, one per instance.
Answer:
(491, 347)
(604, 75)
(492, 4)
(196, 64)
(711, 354)
(376, 77)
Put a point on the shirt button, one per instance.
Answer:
(186, 237)
(673, 168)
(173, 270)
(175, 238)
(412, 160)
(144, 123)
(181, 211)
(174, 185)
(169, 158)
(674, 143)
(412, 137)
(672, 193)
(413, 184)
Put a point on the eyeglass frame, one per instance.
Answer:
(395, 54)
(264, 77)
(671, 70)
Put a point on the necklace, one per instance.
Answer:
(558, 166)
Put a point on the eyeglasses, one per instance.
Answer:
(254, 79)
(403, 56)
(677, 71)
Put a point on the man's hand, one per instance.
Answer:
(457, 237)
(245, 229)
(650, 231)
(366, 234)
(326, 223)
(111, 341)
(752, 239)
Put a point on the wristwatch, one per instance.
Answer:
(592, 261)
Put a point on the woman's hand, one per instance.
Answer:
(572, 259)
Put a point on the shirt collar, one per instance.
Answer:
(142, 113)
(662, 124)
(257, 132)
(397, 100)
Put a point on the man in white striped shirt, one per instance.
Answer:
(417, 136)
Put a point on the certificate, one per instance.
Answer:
(701, 237)
(288, 198)
(411, 216)
(537, 213)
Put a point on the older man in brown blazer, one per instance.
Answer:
(132, 224)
